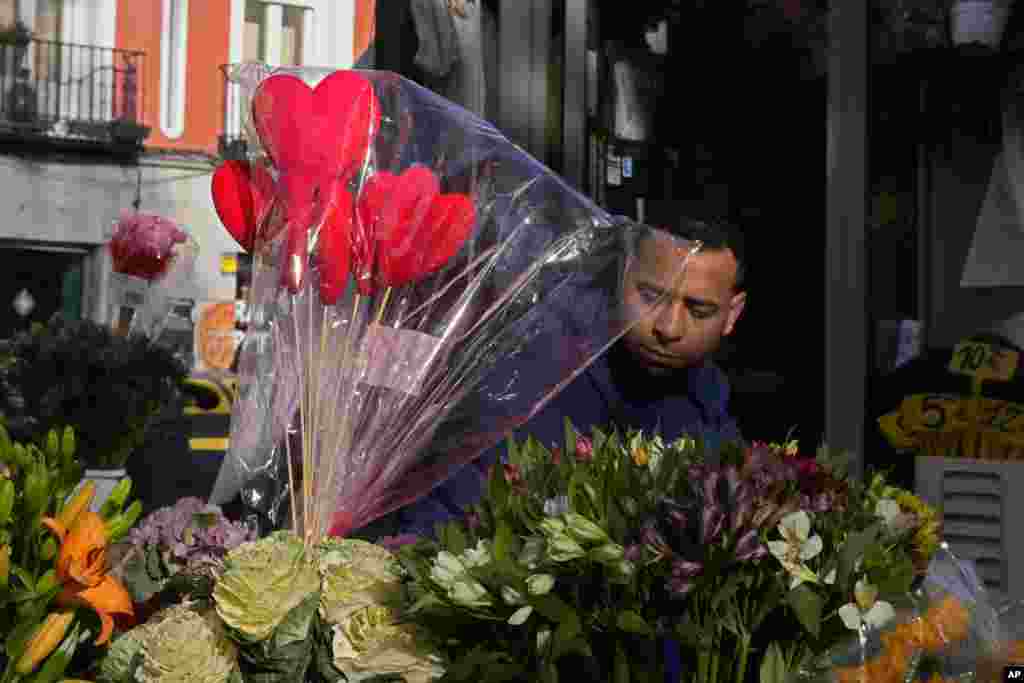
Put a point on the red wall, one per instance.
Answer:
(209, 28)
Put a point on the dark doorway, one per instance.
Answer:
(50, 279)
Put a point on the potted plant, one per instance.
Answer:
(81, 374)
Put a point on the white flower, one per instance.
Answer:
(830, 578)
(540, 584)
(469, 593)
(532, 552)
(888, 510)
(796, 547)
(520, 616)
(543, 640)
(447, 569)
(866, 608)
(556, 507)
(479, 556)
(511, 596)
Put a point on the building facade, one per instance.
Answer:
(115, 105)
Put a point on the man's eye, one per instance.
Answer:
(703, 313)
(648, 295)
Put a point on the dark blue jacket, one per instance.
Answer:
(610, 392)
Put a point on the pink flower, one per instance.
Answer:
(584, 449)
(556, 456)
(395, 542)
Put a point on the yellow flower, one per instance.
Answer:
(372, 640)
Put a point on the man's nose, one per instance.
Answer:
(670, 324)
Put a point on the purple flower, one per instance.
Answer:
(711, 482)
(684, 569)
(680, 587)
(750, 547)
(633, 553)
(472, 521)
(678, 519)
(714, 521)
(743, 511)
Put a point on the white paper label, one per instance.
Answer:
(614, 169)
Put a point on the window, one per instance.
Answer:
(292, 35)
(173, 51)
(8, 13)
(255, 15)
(275, 32)
(48, 30)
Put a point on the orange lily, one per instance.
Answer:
(83, 573)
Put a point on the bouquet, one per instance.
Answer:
(948, 631)
(57, 595)
(152, 260)
(594, 554)
(404, 255)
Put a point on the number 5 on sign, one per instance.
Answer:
(984, 362)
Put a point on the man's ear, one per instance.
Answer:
(736, 306)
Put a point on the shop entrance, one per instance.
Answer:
(35, 283)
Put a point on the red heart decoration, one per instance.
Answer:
(295, 257)
(334, 247)
(239, 200)
(346, 116)
(313, 136)
(451, 220)
(282, 112)
(391, 211)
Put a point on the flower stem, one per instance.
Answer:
(741, 666)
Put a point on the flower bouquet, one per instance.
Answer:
(948, 632)
(57, 595)
(404, 255)
(152, 258)
(632, 558)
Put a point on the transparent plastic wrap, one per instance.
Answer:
(947, 630)
(421, 287)
(153, 262)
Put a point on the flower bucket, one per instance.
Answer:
(979, 21)
(105, 481)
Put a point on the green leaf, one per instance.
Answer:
(621, 665)
(452, 537)
(773, 666)
(497, 488)
(552, 607)
(631, 622)
(570, 441)
(807, 605)
(854, 547)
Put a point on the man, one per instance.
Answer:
(657, 378)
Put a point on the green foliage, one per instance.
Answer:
(80, 374)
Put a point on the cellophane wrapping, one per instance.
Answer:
(153, 264)
(949, 629)
(421, 287)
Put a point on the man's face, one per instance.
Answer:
(681, 318)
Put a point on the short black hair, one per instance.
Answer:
(714, 234)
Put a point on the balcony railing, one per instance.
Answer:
(232, 140)
(72, 93)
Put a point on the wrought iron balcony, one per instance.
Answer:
(79, 95)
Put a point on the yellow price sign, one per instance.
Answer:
(984, 362)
